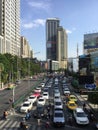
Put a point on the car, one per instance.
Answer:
(71, 105)
(57, 98)
(49, 85)
(26, 106)
(58, 104)
(80, 116)
(32, 99)
(66, 92)
(42, 84)
(73, 98)
(36, 94)
(39, 111)
(57, 93)
(41, 101)
(58, 118)
(45, 89)
(45, 95)
(37, 90)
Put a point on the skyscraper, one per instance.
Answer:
(51, 38)
(62, 47)
(10, 26)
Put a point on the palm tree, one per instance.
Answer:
(1, 69)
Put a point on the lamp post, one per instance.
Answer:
(1, 69)
(13, 100)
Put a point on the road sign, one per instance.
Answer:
(90, 86)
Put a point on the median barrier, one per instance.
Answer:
(15, 104)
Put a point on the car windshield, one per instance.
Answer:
(41, 100)
(31, 97)
(71, 104)
(40, 109)
(45, 94)
(72, 98)
(58, 115)
(81, 114)
(57, 103)
(26, 104)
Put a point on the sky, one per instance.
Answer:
(77, 17)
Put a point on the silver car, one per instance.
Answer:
(58, 118)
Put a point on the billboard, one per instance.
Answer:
(91, 41)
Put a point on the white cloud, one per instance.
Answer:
(41, 5)
(34, 23)
(68, 31)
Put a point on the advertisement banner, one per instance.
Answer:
(91, 41)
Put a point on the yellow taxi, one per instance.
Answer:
(71, 105)
(72, 98)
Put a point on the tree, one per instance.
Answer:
(93, 96)
(1, 69)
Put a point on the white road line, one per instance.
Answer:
(3, 123)
(8, 124)
(14, 126)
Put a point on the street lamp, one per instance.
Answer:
(1, 69)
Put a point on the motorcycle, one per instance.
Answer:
(23, 126)
(96, 125)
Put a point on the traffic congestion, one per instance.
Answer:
(54, 104)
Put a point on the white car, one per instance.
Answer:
(46, 95)
(80, 116)
(41, 101)
(56, 93)
(58, 104)
(32, 99)
(66, 92)
(57, 98)
(26, 106)
(58, 118)
(37, 90)
(43, 84)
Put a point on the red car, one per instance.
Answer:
(37, 94)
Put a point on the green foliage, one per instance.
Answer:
(75, 83)
(14, 65)
(93, 97)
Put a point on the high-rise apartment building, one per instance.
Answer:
(62, 47)
(10, 26)
(25, 48)
(51, 38)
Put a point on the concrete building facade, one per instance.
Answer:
(10, 26)
(62, 55)
(25, 48)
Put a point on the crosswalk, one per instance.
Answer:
(14, 125)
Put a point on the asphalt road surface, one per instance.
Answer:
(20, 90)
(13, 121)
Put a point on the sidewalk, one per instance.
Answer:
(93, 107)
(4, 87)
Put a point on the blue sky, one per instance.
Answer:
(78, 17)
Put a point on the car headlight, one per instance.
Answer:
(78, 121)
